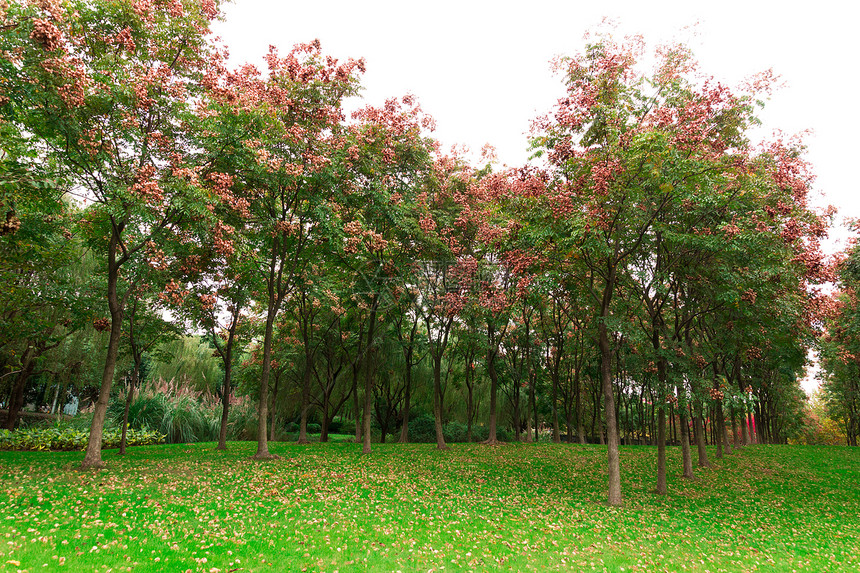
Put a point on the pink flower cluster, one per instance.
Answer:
(221, 239)
(173, 293)
(146, 186)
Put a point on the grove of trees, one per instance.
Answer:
(652, 276)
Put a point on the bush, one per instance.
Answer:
(184, 421)
(422, 430)
(242, 424)
(65, 437)
(314, 428)
(454, 432)
(480, 433)
(292, 428)
(180, 414)
(336, 426)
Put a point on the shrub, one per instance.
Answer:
(454, 432)
(422, 430)
(65, 437)
(242, 424)
(184, 421)
(179, 413)
(314, 428)
(480, 433)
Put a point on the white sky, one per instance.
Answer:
(482, 70)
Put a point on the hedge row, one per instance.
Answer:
(60, 438)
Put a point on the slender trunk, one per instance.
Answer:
(56, 398)
(556, 433)
(470, 404)
(368, 376)
(661, 427)
(734, 427)
(128, 400)
(685, 442)
(614, 496)
(661, 451)
(580, 425)
(272, 422)
(407, 396)
(494, 381)
(716, 436)
(517, 425)
(325, 424)
(93, 456)
(263, 406)
(16, 399)
(306, 396)
(494, 385)
(356, 401)
(437, 399)
(724, 430)
(533, 399)
(673, 433)
(700, 438)
(225, 400)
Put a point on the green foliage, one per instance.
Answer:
(454, 432)
(190, 360)
(422, 430)
(242, 423)
(67, 437)
(819, 429)
(184, 416)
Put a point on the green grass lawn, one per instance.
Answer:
(325, 507)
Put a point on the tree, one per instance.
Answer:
(624, 149)
(107, 88)
(285, 132)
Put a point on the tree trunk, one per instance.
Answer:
(517, 424)
(437, 400)
(93, 456)
(324, 425)
(661, 451)
(700, 438)
(272, 422)
(306, 397)
(16, 398)
(407, 396)
(614, 496)
(494, 382)
(470, 403)
(128, 400)
(556, 433)
(225, 400)
(735, 440)
(263, 406)
(724, 433)
(661, 424)
(534, 409)
(368, 376)
(356, 401)
(716, 434)
(685, 443)
(580, 424)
